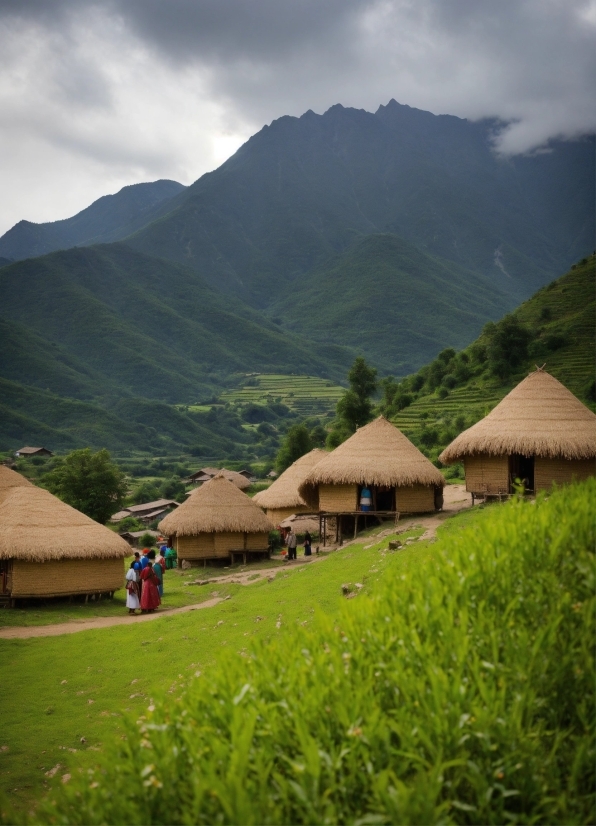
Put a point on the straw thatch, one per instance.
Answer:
(37, 527)
(539, 417)
(377, 454)
(217, 506)
(283, 493)
(10, 480)
(207, 473)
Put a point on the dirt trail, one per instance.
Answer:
(456, 499)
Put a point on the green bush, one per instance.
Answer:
(461, 691)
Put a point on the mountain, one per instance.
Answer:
(392, 302)
(107, 219)
(305, 189)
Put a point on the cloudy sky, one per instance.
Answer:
(97, 94)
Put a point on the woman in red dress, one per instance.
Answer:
(150, 598)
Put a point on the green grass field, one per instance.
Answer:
(65, 688)
(307, 395)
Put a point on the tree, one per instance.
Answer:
(508, 346)
(90, 482)
(355, 407)
(296, 443)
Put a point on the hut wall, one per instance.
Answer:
(226, 542)
(257, 541)
(61, 577)
(338, 498)
(415, 499)
(201, 546)
(277, 515)
(561, 471)
(486, 473)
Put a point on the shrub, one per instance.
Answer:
(462, 691)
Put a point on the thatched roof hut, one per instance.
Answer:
(381, 458)
(540, 432)
(282, 499)
(48, 548)
(216, 521)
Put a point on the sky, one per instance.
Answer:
(99, 94)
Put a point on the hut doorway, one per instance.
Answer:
(521, 467)
(383, 499)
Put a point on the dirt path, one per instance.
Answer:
(456, 499)
(72, 627)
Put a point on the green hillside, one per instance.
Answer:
(306, 395)
(457, 389)
(117, 322)
(395, 304)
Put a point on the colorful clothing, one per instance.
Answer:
(158, 571)
(133, 590)
(150, 598)
(171, 557)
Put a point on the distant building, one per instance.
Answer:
(205, 474)
(27, 452)
(147, 512)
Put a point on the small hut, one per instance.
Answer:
(381, 459)
(282, 499)
(49, 549)
(207, 473)
(217, 521)
(539, 433)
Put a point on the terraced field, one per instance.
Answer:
(562, 320)
(307, 395)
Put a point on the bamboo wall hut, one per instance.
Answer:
(282, 500)
(539, 433)
(379, 457)
(217, 521)
(49, 549)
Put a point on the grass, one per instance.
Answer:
(460, 690)
(102, 665)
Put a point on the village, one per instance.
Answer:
(540, 434)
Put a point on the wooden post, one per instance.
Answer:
(324, 530)
(339, 527)
(355, 526)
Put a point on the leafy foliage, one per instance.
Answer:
(462, 691)
(355, 408)
(90, 482)
(296, 443)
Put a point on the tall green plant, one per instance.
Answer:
(461, 692)
(355, 408)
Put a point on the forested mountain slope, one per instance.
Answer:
(107, 219)
(303, 189)
(100, 321)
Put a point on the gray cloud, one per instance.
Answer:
(112, 91)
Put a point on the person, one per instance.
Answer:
(145, 558)
(365, 500)
(307, 544)
(159, 567)
(292, 543)
(133, 591)
(150, 598)
(170, 557)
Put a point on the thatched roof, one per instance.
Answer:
(283, 493)
(377, 454)
(206, 473)
(9, 480)
(539, 417)
(216, 507)
(36, 526)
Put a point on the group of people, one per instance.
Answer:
(144, 581)
(292, 542)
